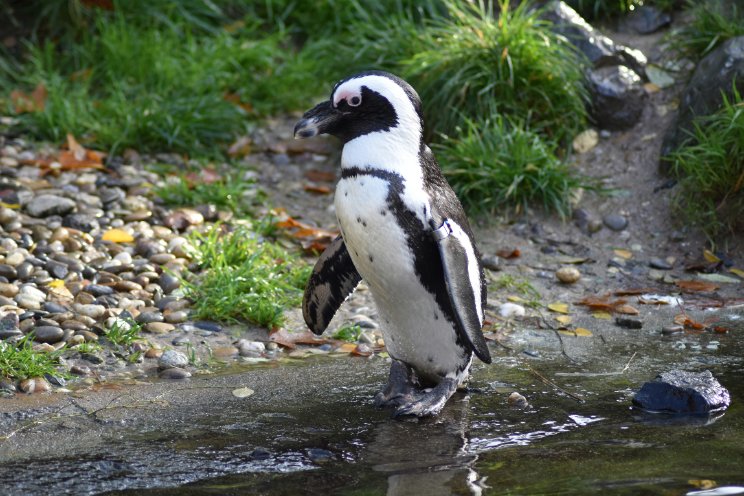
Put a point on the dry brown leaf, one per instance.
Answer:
(697, 286)
(290, 340)
(312, 239)
(33, 102)
(316, 175)
(627, 310)
(317, 189)
(509, 253)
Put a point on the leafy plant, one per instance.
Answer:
(522, 288)
(495, 163)
(349, 333)
(123, 332)
(713, 22)
(244, 278)
(21, 361)
(710, 168)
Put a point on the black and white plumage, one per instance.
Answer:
(404, 232)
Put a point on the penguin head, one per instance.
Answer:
(365, 103)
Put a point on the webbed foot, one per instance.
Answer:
(426, 403)
(399, 387)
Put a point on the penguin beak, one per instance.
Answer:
(318, 120)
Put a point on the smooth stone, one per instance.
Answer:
(616, 222)
(9, 272)
(98, 290)
(48, 334)
(176, 317)
(92, 358)
(646, 19)
(507, 310)
(56, 269)
(172, 358)
(46, 205)
(8, 289)
(250, 348)
(491, 262)
(364, 322)
(159, 327)
(208, 326)
(162, 258)
(89, 310)
(15, 259)
(154, 353)
(75, 340)
(148, 317)
(568, 275)
(27, 301)
(25, 271)
(629, 323)
(180, 341)
(10, 333)
(88, 336)
(670, 330)
(169, 282)
(81, 370)
(35, 385)
(175, 373)
(659, 263)
(682, 392)
(54, 307)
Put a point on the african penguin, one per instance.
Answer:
(405, 233)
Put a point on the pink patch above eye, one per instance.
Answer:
(345, 95)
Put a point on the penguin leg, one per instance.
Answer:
(428, 402)
(399, 388)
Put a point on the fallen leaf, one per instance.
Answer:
(601, 303)
(702, 483)
(241, 147)
(12, 206)
(602, 315)
(585, 141)
(655, 299)
(565, 259)
(719, 278)
(312, 239)
(317, 189)
(243, 392)
(738, 272)
(290, 340)
(626, 254)
(516, 299)
(651, 87)
(564, 319)
(33, 102)
(684, 320)
(700, 286)
(627, 310)
(117, 236)
(558, 307)
(56, 283)
(580, 331)
(205, 176)
(710, 256)
(509, 253)
(347, 347)
(320, 176)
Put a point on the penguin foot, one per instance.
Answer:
(399, 387)
(426, 403)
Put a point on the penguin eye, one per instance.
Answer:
(355, 101)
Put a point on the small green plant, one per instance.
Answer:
(710, 168)
(522, 288)
(225, 193)
(123, 332)
(20, 361)
(88, 347)
(499, 163)
(348, 333)
(244, 278)
(713, 22)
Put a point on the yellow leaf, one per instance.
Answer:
(117, 236)
(580, 331)
(558, 307)
(626, 254)
(738, 272)
(564, 319)
(602, 315)
(567, 333)
(515, 299)
(12, 206)
(710, 257)
(56, 283)
(347, 347)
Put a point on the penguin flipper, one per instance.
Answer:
(462, 277)
(333, 279)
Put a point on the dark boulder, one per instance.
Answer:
(681, 392)
(714, 76)
(618, 97)
(646, 19)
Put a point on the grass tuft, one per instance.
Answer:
(231, 192)
(710, 168)
(498, 163)
(20, 361)
(123, 332)
(244, 278)
(713, 22)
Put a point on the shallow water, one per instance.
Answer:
(320, 435)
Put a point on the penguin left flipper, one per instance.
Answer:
(462, 275)
(333, 279)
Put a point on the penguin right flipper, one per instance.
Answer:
(333, 279)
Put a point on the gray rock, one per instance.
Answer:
(147, 317)
(172, 358)
(99, 290)
(715, 74)
(679, 391)
(174, 373)
(56, 269)
(618, 97)
(616, 222)
(169, 282)
(81, 221)
(46, 205)
(646, 19)
(629, 322)
(659, 263)
(9, 272)
(48, 334)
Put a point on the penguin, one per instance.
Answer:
(405, 233)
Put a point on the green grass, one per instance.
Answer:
(496, 164)
(348, 333)
(475, 58)
(710, 168)
(123, 333)
(229, 192)
(19, 361)
(713, 22)
(244, 278)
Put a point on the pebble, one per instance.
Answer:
(48, 334)
(46, 205)
(491, 262)
(172, 358)
(176, 317)
(568, 275)
(516, 400)
(616, 222)
(35, 385)
(249, 348)
(508, 310)
(659, 263)
(159, 327)
(670, 330)
(149, 317)
(629, 323)
(8, 289)
(364, 322)
(89, 310)
(175, 373)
